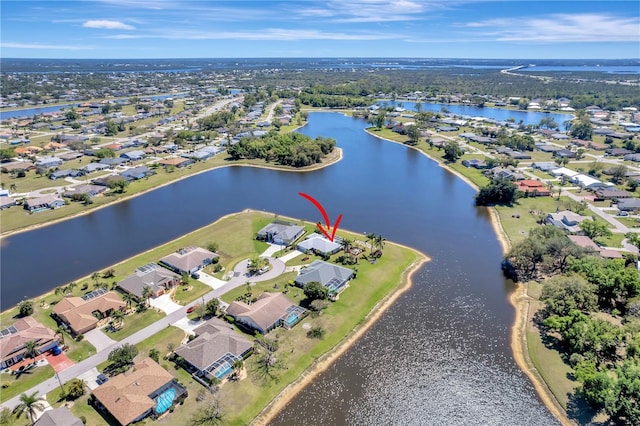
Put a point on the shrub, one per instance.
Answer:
(316, 333)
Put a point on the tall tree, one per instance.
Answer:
(30, 404)
(31, 350)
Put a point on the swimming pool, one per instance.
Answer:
(165, 400)
(291, 318)
(223, 371)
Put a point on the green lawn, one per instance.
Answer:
(24, 382)
(82, 409)
(518, 220)
(184, 296)
(136, 322)
(160, 340)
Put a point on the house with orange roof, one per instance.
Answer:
(14, 338)
(82, 314)
(533, 188)
(145, 390)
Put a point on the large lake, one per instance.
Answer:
(440, 355)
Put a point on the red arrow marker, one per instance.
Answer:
(325, 217)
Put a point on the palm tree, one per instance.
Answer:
(128, 298)
(147, 293)
(95, 276)
(371, 239)
(13, 187)
(31, 350)
(60, 332)
(117, 315)
(29, 404)
(346, 244)
(379, 242)
(71, 286)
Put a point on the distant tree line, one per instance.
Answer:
(291, 149)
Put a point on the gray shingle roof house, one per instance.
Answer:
(188, 260)
(319, 244)
(215, 349)
(629, 204)
(134, 155)
(58, 417)
(50, 201)
(151, 275)
(136, 173)
(49, 162)
(266, 313)
(333, 277)
(280, 232)
(567, 220)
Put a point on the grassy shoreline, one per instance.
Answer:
(520, 343)
(67, 212)
(375, 289)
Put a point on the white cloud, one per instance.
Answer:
(562, 28)
(107, 24)
(8, 45)
(363, 11)
(279, 34)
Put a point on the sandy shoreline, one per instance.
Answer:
(520, 300)
(322, 363)
(131, 196)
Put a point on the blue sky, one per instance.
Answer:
(331, 28)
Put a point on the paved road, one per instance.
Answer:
(80, 369)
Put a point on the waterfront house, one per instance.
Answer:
(90, 190)
(158, 279)
(14, 338)
(188, 260)
(320, 245)
(280, 233)
(268, 312)
(333, 277)
(176, 162)
(6, 202)
(215, 349)
(46, 202)
(566, 220)
(137, 173)
(475, 163)
(82, 314)
(145, 390)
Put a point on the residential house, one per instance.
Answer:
(140, 392)
(188, 260)
(612, 193)
(134, 155)
(503, 173)
(612, 152)
(215, 349)
(533, 188)
(268, 312)
(629, 205)
(545, 166)
(566, 220)
(280, 233)
(158, 279)
(6, 202)
(137, 173)
(113, 162)
(94, 167)
(586, 242)
(58, 417)
(176, 162)
(565, 153)
(584, 180)
(318, 244)
(14, 337)
(46, 202)
(333, 277)
(82, 314)
(632, 157)
(49, 162)
(475, 163)
(65, 173)
(90, 190)
(70, 156)
(17, 165)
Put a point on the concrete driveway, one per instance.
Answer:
(210, 280)
(188, 325)
(287, 257)
(165, 304)
(99, 339)
(90, 378)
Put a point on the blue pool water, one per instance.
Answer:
(165, 400)
(292, 318)
(226, 369)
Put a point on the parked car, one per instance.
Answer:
(195, 276)
(192, 308)
(101, 379)
(623, 213)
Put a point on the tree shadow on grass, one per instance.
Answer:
(579, 410)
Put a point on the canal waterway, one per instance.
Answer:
(440, 355)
